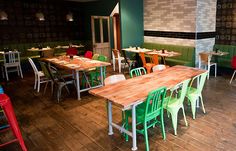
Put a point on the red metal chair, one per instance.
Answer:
(71, 51)
(233, 64)
(6, 105)
(88, 54)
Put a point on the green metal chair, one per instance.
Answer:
(94, 75)
(147, 113)
(137, 72)
(193, 94)
(173, 103)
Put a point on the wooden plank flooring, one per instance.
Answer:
(75, 125)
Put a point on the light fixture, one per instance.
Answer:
(3, 15)
(69, 17)
(40, 16)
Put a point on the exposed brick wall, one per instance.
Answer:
(181, 16)
(170, 15)
(206, 15)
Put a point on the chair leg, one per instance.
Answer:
(126, 127)
(45, 88)
(163, 127)
(146, 136)
(6, 74)
(38, 84)
(35, 81)
(114, 64)
(193, 107)
(58, 93)
(185, 120)
(215, 70)
(208, 75)
(119, 65)
(232, 77)
(52, 84)
(203, 108)
(174, 117)
(21, 75)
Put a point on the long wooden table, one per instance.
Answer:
(129, 93)
(78, 64)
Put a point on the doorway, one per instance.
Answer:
(101, 35)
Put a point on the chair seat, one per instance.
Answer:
(171, 104)
(121, 58)
(40, 73)
(12, 64)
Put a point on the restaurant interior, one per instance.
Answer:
(117, 75)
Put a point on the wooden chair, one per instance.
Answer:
(11, 63)
(205, 60)
(146, 65)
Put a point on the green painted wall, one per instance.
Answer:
(132, 30)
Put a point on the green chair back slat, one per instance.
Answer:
(137, 72)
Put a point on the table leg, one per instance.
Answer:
(110, 132)
(77, 84)
(134, 128)
(101, 75)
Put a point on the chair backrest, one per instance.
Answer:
(102, 58)
(181, 88)
(202, 79)
(11, 57)
(158, 67)
(115, 53)
(114, 79)
(204, 57)
(33, 65)
(142, 56)
(48, 53)
(45, 70)
(88, 54)
(71, 51)
(154, 103)
(233, 62)
(137, 72)
(95, 56)
(155, 59)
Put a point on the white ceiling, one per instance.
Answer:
(82, 0)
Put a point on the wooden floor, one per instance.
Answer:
(75, 125)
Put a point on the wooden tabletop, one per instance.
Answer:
(77, 63)
(165, 54)
(128, 92)
(37, 49)
(219, 53)
(138, 50)
(67, 46)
